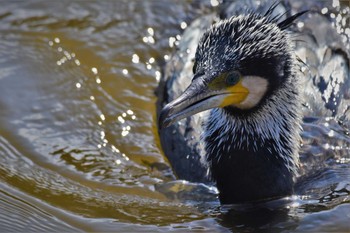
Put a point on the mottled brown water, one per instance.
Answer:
(79, 149)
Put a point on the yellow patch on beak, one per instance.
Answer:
(235, 94)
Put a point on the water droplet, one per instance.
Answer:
(78, 85)
(50, 43)
(125, 71)
(183, 25)
(324, 10)
(102, 117)
(57, 40)
(92, 98)
(130, 112)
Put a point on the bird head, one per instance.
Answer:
(239, 63)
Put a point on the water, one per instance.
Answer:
(79, 146)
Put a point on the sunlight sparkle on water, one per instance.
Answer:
(331, 133)
(121, 119)
(172, 41)
(103, 134)
(158, 75)
(115, 149)
(94, 70)
(214, 3)
(135, 58)
(335, 3)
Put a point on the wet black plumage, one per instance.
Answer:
(251, 154)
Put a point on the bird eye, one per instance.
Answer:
(233, 78)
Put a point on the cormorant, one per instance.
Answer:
(245, 74)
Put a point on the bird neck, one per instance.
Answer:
(255, 157)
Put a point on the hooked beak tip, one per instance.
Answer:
(164, 121)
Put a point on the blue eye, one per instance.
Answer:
(233, 78)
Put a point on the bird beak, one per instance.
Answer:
(198, 97)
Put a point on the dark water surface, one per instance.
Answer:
(79, 148)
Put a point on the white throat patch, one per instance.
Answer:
(257, 87)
